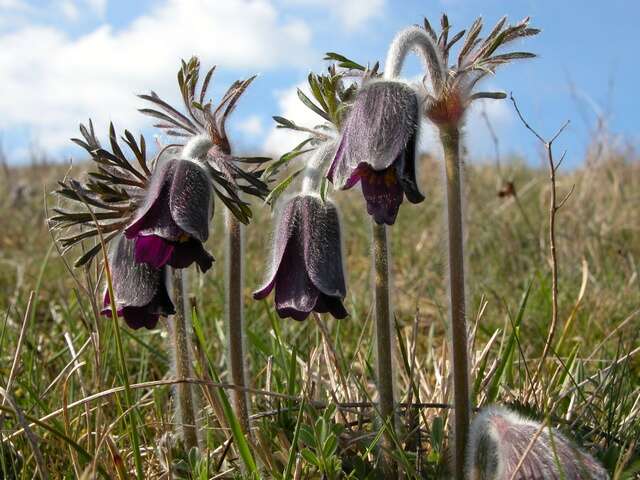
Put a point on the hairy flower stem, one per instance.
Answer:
(234, 312)
(450, 138)
(181, 350)
(316, 166)
(384, 341)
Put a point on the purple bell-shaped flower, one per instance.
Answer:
(377, 148)
(500, 448)
(307, 270)
(173, 222)
(140, 289)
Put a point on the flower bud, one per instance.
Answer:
(500, 446)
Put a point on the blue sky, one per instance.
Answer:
(63, 61)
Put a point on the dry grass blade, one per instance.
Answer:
(16, 355)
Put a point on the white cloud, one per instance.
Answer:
(352, 14)
(478, 136)
(70, 10)
(281, 140)
(13, 5)
(99, 7)
(57, 81)
(252, 125)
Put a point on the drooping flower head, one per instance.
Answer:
(377, 148)
(172, 223)
(154, 198)
(307, 271)
(202, 131)
(140, 289)
(499, 440)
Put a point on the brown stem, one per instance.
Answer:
(234, 305)
(554, 206)
(384, 336)
(180, 332)
(450, 138)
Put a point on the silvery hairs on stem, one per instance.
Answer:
(450, 90)
(506, 446)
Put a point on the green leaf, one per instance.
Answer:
(344, 62)
(236, 430)
(284, 123)
(304, 99)
(330, 446)
(507, 354)
(310, 457)
(281, 188)
(274, 167)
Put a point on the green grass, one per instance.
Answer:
(312, 392)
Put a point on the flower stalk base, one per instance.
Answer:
(384, 341)
(180, 331)
(450, 138)
(234, 304)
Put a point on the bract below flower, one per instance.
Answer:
(173, 222)
(140, 289)
(500, 448)
(377, 148)
(307, 270)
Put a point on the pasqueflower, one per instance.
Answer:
(377, 148)
(307, 271)
(173, 221)
(140, 289)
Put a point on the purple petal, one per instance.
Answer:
(380, 124)
(383, 195)
(185, 253)
(355, 176)
(406, 171)
(499, 439)
(320, 230)
(292, 312)
(338, 159)
(331, 305)
(155, 199)
(265, 290)
(140, 289)
(154, 250)
(285, 225)
(134, 284)
(138, 317)
(190, 199)
(296, 296)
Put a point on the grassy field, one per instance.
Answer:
(64, 371)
